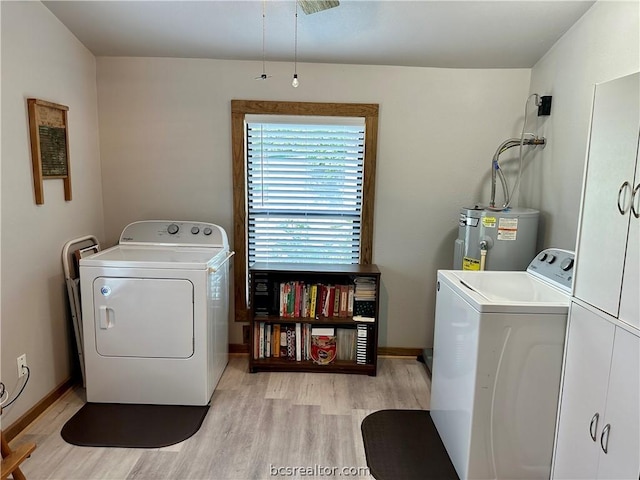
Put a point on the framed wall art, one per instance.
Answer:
(49, 135)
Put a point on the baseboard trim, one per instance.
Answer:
(23, 422)
(238, 348)
(399, 351)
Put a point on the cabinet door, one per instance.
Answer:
(586, 373)
(611, 163)
(629, 301)
(622, 438)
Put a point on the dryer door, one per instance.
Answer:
(143, 317)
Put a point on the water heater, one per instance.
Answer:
(506, 239)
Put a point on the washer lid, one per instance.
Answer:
(506, 292)
(130, 256)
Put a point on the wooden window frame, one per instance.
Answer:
(241, 108)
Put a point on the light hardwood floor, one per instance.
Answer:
(258, 424)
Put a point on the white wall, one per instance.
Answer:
(41, 59)
(166, 153)
(604, 44)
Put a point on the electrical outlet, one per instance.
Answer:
(22, 362)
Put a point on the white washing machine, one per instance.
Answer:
(498, 343)
(155, 314)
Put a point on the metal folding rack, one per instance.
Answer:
(72, 252)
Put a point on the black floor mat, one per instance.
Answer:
(404, 444)
(132, 426)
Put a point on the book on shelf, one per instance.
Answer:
(298, 344)
(361, 344)
(282, 295)
(330, 300)
(275, 340)
(297, 299)
(346, 344)
(267, 340)
(350, 296)
(307, 342)
(344, 296)
(261, 294)
(291, 343)
(261, 340)
(360, 318)
(313, 299)
(323, 345)
(283, 341)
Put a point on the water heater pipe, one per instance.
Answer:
(484, 246)
(496, 170)
(510, 143)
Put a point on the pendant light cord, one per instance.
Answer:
(295, 81)
(264, 14)
(295, 43)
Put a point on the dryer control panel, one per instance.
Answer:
(168, 232)
(555, 266)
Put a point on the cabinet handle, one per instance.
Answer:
(624, 186)
(633, 202)
(605, 431)
(593, 426)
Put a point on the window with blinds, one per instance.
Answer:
(304, 189)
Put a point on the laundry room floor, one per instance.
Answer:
(259, 426)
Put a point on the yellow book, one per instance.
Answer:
(312, 304)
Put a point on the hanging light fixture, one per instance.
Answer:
(295, 81)
(264, 75)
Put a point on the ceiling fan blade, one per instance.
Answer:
(314, 6)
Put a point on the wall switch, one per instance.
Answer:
(22, 362)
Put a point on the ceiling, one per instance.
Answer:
(427, 33)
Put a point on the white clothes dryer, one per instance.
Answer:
(498, 344)
(155, 314)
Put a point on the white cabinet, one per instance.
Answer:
(598, 433)
(608, 238)
(598, 428)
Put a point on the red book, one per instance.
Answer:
(322, 307)
(332, 300)
(298, 300)
(344, 298)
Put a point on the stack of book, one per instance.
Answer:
(364, 299)
(346, 339)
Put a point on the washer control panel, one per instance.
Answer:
(555, 266)
(165, 232)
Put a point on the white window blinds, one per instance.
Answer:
(304, 189)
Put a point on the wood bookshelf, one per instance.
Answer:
(280, 297)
